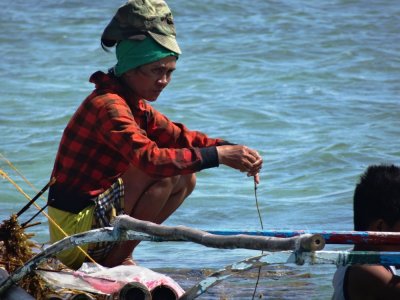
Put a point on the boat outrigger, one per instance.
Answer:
(29, 275)
(127, 228)
(296, 247)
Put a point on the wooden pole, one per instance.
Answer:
(306, 242)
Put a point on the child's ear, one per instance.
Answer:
(378, 225)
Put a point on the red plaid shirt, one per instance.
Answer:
(109, 131)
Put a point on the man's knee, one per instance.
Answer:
(190, 183)
(176, 184)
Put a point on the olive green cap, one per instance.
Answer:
(142, 17)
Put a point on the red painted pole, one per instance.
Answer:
(331, 237)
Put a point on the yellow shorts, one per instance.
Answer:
(107, 204)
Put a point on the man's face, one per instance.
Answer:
(148, 81)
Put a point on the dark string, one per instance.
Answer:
(262, 228)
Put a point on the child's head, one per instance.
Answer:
(377, 199)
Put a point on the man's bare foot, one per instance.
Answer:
(128, 262)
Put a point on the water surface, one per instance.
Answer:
(312, 85)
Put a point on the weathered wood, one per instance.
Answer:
(305, 242)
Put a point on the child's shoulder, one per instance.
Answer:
(369, 281)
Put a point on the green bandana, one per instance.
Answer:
(134, 53)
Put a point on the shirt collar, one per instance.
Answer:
(109, 82)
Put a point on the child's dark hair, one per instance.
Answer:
(377, 196)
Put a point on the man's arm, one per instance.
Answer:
(372, 282)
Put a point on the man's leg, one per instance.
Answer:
(149, 199)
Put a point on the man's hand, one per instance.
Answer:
(241, 158)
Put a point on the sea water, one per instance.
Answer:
(312, 85)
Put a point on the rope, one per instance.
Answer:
(5, 175)
(262, 228)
